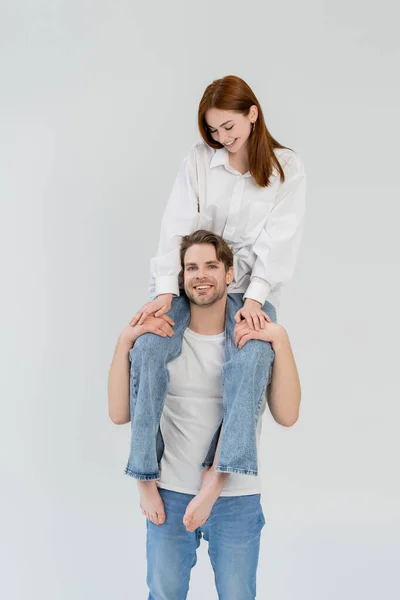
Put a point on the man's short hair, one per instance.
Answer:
(202, 236)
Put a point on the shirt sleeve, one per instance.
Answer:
(277, 246)
(180, 218)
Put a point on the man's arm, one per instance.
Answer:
(118, 381)
(284, 392)
(119, 375)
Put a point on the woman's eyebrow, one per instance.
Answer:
(226, 122)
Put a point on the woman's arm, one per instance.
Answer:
(119, 375)
(284, 393)
(180, 218)
(277, 246)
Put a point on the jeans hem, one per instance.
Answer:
(142, 476)
(225, 469)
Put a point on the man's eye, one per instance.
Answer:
(213, 266)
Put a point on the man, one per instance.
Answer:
(231, 520)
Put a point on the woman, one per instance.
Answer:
(240, 183)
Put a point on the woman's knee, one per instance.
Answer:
(256, 350)
(150, 345)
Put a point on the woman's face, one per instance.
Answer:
(229, 128)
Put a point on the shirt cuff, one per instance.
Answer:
(167, 284)
(258, 290)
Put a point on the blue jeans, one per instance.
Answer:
(245, 376)
(233, 533)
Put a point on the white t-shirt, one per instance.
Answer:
(192, 412)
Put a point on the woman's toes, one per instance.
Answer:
(161, 518)
(153, 518)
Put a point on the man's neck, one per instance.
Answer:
(208, 320)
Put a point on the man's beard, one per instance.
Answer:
(203, 300)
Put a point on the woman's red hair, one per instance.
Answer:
(232, 93)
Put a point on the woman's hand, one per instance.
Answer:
(161, 326)
(157, 307)
(252, 313)
(271, 332)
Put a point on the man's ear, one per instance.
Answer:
(229, 276)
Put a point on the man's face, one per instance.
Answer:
(204, 276)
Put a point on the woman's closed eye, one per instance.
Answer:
(226, 128)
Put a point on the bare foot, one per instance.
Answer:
(151, 502)
(198, 510)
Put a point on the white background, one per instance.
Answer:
(98, 108)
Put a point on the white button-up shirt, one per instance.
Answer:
(262, 225)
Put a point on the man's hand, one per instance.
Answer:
(271, 332)
(252, 314)
(157, 307)
(161, 326)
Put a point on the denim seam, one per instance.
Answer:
(142, 476)
(224, 469)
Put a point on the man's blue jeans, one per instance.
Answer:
(245, 375)
(233, 533)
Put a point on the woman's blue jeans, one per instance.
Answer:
(245, 376)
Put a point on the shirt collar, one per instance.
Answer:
(221, 159)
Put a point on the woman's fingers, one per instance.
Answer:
(143, 317)
(238, 316)
(256, 321)
(249, 321)
(135, 319)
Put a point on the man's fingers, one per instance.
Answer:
(168, 320)
(245, 338)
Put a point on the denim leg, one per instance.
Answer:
(149, 380)
(233, 532)
(171, 550)
(245, 376)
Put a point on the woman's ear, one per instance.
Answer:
(253, 113)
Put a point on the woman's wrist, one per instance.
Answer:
(252, 302)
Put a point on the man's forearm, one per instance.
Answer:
(285, 392)
(118, 383)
